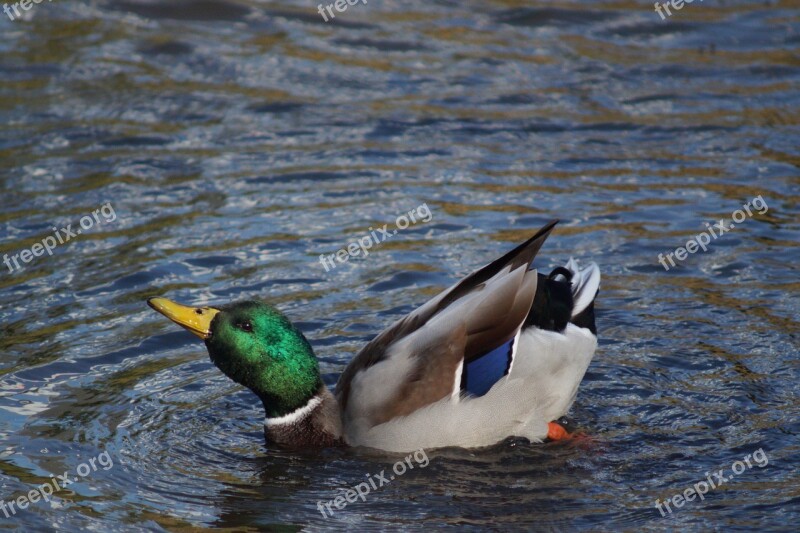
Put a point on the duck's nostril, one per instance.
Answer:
(198, 311)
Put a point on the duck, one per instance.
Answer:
(499, 354)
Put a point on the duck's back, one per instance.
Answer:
(500, 353)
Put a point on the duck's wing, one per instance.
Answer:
(419, 359)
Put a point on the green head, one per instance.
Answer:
(255, 345)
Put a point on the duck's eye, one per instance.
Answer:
(245, 326)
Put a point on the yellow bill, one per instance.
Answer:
(195, 319)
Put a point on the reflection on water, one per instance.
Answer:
(238, 141)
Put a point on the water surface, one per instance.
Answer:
(238, 141)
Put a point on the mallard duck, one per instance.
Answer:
(500, 353)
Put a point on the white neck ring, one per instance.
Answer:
(296, 415)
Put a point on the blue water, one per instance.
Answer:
(235, 142)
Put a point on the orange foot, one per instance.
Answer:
(556, 431)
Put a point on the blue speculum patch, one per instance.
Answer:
(479, 375)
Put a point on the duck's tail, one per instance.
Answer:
(585, 286)
(565, 295)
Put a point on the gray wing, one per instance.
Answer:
(415, 361)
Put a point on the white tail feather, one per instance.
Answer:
(585, 283)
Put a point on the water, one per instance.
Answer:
(236, 142)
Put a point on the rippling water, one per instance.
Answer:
(236, 142)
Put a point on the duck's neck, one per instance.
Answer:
(316, 424)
